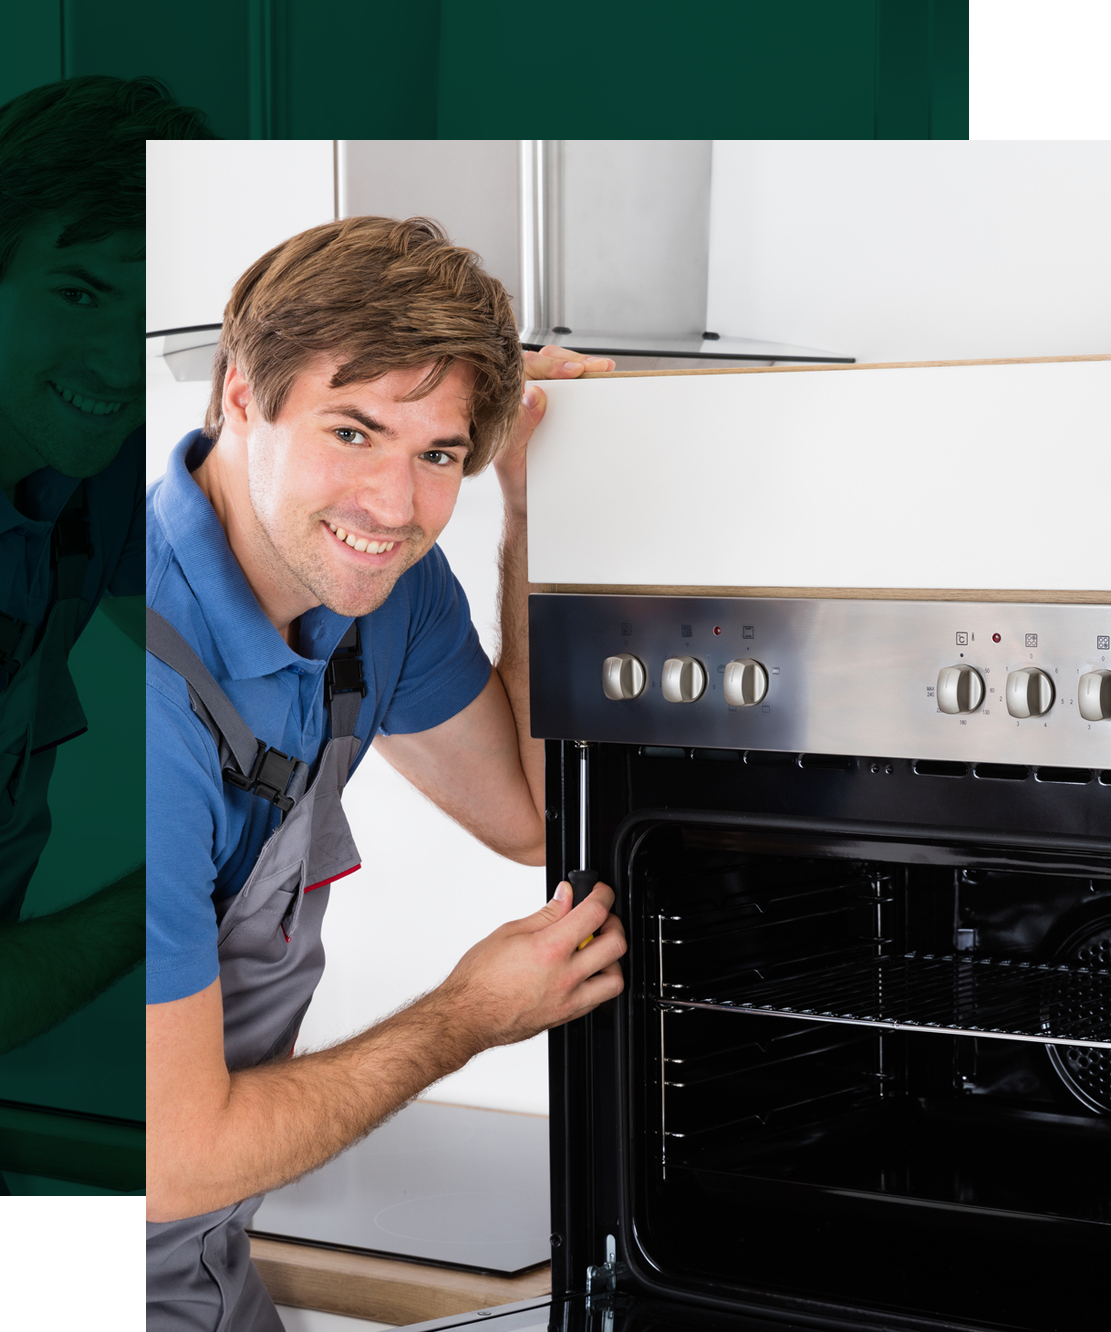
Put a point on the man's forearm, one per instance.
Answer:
(288, 1117)
(50, 966)
(512, 664)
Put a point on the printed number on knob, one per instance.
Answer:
(959, 689)
(1029, 693)
(683, 680)
(623, 676)
(746, 683)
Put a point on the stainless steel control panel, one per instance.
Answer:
(967, 681)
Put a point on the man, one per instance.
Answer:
(71, 468)
(303, 612)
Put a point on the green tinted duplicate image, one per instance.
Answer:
(72, 277)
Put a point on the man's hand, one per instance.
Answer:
(216, 1137)
(551, 363)
(529, 975)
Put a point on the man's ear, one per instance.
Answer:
(237, 397)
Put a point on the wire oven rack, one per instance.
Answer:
(950, 994)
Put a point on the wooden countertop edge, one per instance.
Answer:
(382, 1289)
(856, 365)
(838, 593)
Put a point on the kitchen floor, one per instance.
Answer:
(312, 1320)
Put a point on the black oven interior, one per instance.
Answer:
(831, 1088)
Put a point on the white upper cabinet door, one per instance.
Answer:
(951, 476)
(214, 207)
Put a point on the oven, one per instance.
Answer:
(823, 666)
(860, 1075)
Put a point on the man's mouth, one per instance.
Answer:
(362, 544)
(92, 406)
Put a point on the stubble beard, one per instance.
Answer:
(307, 561)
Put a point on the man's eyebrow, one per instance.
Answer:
(377, 428)
(83, 275)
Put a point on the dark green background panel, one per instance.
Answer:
(626, 70)
(199, 50)
(858, 69)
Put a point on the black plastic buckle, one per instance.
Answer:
(270, 775)
(344, 675)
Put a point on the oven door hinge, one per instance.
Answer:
(601, 1281)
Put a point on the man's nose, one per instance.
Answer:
(388, 494)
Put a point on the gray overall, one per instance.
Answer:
(199, 1273)
(39, 710)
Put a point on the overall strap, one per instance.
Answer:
(256, 767)
(344, 686)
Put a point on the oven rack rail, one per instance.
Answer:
(946, 994)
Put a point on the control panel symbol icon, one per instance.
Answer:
(1103, 642)
(685, 630)
(962, 640)
(748, 631)
(626, 629)
(1031, 640)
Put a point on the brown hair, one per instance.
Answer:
(380, 295)
(76, 150)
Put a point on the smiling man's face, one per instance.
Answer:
(71, 352)
(347, 489)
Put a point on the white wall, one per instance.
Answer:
(214, 207)
(913, 250)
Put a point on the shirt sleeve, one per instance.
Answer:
(445, 667)
(185, 820)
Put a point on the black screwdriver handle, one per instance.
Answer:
(581, 881)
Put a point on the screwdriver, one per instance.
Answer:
(582, 880)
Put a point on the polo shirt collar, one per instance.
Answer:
(248, 643)
(47, 492)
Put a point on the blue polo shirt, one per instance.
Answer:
(422, 663)
(115, 568)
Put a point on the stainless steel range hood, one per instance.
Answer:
(614, 252)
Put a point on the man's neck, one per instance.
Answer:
(222, 476)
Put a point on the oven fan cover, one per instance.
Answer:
(1085, 1071)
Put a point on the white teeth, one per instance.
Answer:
(94, 406)
(361, 543)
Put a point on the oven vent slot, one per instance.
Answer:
(718, 755)
(769, 758)
(940, 768)
(950, 994)
(1105, 777)
(840, 762)
(1077, 776)
(662, 752)
(1002, 772)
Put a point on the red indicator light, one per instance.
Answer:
(997, 638)
(717, 630)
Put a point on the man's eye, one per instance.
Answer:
(438, 457)
(77, 296)
(348, 435)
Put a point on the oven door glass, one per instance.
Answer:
(866, 1077)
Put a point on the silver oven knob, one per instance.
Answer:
(959, 689)
(1095, 696)
(623, 676)
(684, 679)
(746, 683)
(1029, 692)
